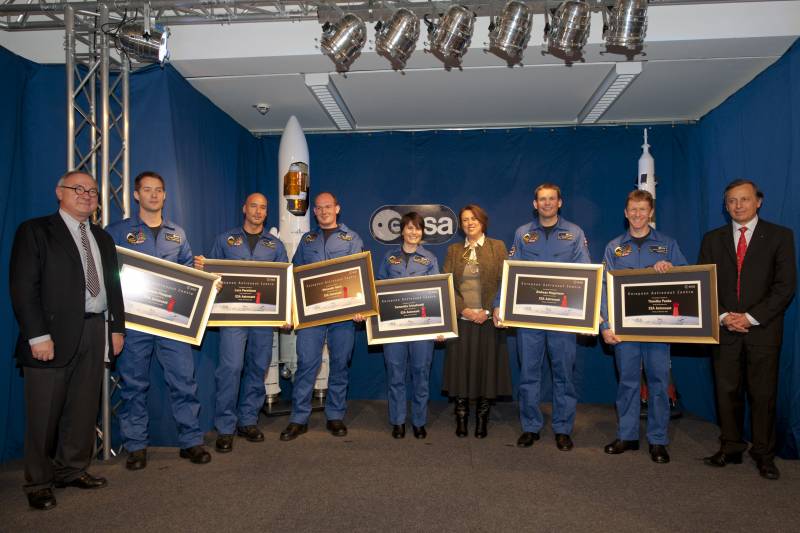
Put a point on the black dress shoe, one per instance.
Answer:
(399, 431)
(337, 428)
(196, 454)
(527, 439)
(621, 446)
(251, 433)
(293, 430)
(563, 442)
(84, 481)
(136, 460)
(721, 459)
(659, 454)
(767, 469)
(224, 443)
(42, 499)
(419, 432)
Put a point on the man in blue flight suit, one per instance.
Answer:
(328, 241)
(149, 233)
(548, 238)
(244, 352)
(640, 247)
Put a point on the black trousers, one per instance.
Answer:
(742, 369)
(61, 407)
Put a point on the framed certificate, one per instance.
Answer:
(254, 293)
(165, 298)
(551, 296)
(679, 306)
(334, 290)
(414, 309)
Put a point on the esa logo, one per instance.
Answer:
(440, 223)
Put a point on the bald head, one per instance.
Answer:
(255, 212)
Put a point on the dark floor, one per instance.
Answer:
(368, 481)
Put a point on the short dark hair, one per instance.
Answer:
(639, 195)
(413, 218)
(739, 182)
(137, 181)
(547, 186)
(479, 213)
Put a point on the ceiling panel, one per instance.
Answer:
(473, 97)
(683, 90)
(287, 94)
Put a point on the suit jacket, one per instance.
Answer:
(48, 288)
(490, 258)
(767, 283)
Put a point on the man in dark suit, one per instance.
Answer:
(756, 280)
(64, 290)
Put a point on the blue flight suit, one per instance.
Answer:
(622, 253)
(565, 244)
(314, 247)
(174, 357)
(397, 354)
(240, 374)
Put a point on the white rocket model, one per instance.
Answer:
(647, 175)
(293, 205)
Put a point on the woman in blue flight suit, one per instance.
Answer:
(640, 247)
(409, 259)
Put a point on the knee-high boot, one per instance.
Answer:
(482, 418)
(462, 417)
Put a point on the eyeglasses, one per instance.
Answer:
(80, 190)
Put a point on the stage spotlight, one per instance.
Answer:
(509, 33)
(569, 30)
(396, 38)
(450, 38)
(144, 42)
(343, 40)
(626, 27)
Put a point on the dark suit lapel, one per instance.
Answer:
(756, 241)
(727, 240)
(64, 238)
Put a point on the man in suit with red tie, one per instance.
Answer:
(756, 280)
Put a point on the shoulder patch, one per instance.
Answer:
(135, 238)
(622, 251)
(565, 236)
(234, 240)
(421, 260)
(393, 260)
(173, 237)
(512, 251)
(311, 237)
(530, 237)
(345, 236)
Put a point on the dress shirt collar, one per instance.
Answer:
(751, 226)
(479, 242)
(71, 221)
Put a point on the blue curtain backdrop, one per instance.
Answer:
(210, 164)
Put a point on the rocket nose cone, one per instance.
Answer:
(292, 125)
(293, 136)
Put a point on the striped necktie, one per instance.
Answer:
(92, 280)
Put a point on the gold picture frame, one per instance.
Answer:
(254, 293)
(551, 296)
(333, 290)
(414, 309)
(678, 306)
(164, 298)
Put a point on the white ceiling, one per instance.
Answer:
(697, 56)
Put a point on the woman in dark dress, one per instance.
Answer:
(476, 364)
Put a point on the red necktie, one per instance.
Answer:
(741, 249)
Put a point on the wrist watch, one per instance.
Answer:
(488, 314)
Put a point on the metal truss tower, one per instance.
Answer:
(97, 134)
